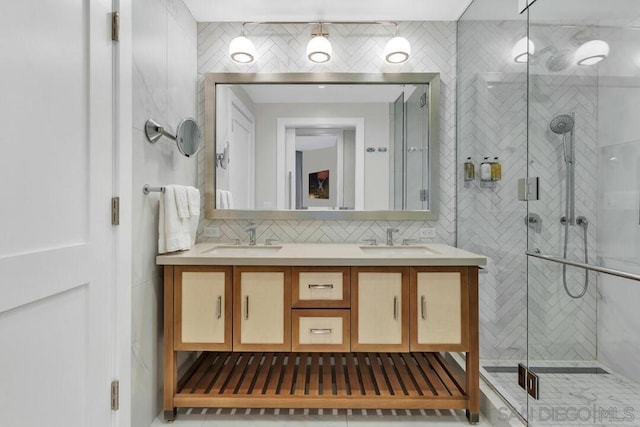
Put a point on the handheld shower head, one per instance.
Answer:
(561, 124)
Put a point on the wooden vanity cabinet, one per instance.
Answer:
(380, 309)
(202, 309)
(439, 309)
(262, 309)
(359, 337)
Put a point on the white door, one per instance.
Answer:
(56, 245)
(241, 155)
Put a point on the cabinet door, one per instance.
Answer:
(380, 309)
(202, 308)
(262, 309)
(439, 309)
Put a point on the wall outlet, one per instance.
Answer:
(212, 232)
(427, 232)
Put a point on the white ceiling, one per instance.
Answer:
(326, 10)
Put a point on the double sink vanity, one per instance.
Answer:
(321, 326)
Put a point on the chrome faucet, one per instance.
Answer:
(390, 232)
(251, 229)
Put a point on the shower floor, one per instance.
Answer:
(575, 396)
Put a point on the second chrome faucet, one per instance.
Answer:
(390, 232)
(251, 229)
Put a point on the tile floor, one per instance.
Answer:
(316, 418)
(572, 399)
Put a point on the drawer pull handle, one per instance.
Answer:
(423, 307)
(321, 331)
(395, 308)
(325, 286)
(219, 307)
(246, 307)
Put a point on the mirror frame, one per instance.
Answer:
(212, 79)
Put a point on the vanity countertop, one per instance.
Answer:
(323, 254)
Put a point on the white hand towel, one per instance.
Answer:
(182, 203)
(162, 238)
(229, 200)
(218, 199)
(172, 225)
(193, 197)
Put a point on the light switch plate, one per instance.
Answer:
(428, 232)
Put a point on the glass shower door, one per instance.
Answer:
(584, 148)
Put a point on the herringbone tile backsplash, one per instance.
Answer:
(357, 49)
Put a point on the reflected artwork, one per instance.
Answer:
(319, 185)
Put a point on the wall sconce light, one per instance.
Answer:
(397, 50)
(319, 49)
(592, 52)
(522, 50)
(241, 49)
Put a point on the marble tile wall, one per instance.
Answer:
(356, 49)
(164, 88)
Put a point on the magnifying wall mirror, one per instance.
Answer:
(321, 145)
(187, 135)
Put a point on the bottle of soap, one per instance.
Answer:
(496, 169)
(485, 170)
(469, 170)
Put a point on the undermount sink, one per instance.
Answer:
(235, 250)
(408, 250)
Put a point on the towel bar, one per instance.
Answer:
(148, 189)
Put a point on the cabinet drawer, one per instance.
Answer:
(318, 287)
(320, 330)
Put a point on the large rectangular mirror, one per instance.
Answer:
(321, 145)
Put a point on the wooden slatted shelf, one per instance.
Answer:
(322, 380)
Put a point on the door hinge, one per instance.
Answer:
(424, 195)
(115, 26)
(423, 100)
(115, 211)
(115, 395)
(529, 381)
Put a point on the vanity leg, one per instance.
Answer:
(473, 356)
(170, 371)
(170, 415)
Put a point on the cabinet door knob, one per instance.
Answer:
(423, 307)
(246, 307)
(219, 307)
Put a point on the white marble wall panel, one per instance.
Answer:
(356, 49)
(164, 88)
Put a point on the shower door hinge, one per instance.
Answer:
(424, 195)
(528, 188)
(115, 395)
(423, 100)
(529, 381)
(115, 211)
(115, 26)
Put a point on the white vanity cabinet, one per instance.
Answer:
(380, 309)
(202, 309)
(439, 309)
(262, 309)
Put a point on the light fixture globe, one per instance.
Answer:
(242, 50)
(397, 50)
(319, 49)
(592, 52)
(522, 50)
